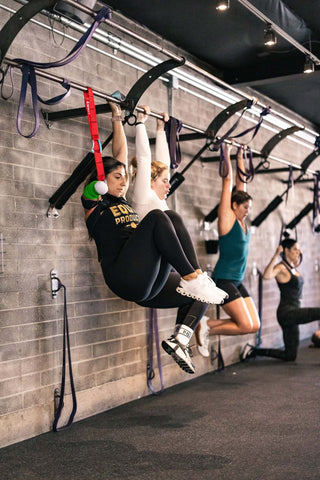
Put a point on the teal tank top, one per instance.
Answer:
(234, 249)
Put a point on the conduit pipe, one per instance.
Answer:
(107, 97)
(188, 64)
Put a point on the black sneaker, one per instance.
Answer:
(179, 353)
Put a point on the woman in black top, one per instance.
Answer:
(289, 313)
(137, 257)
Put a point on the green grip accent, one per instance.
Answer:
(90, 192)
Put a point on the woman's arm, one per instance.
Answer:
(226, 216)
(162, 149)
(119, 140)
(272, 270)
(142, 181)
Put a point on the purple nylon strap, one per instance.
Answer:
(256, 127)
(29, 76)
(247, 175)
(153, 332)
(216, 144)
(172, 129)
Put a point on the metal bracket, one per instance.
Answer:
(64, 192)
(18, 21)
(52, 212)
(273, 142)
(54, 283)
(56, 399)
(46, 119)
(309, 159)
(223, 116)
(300, 216)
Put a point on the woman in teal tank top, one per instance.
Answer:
(234, 238)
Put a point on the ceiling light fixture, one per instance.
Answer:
(270, 38)
(222, 5)
(308, 66)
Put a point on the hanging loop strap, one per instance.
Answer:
(66, 344)
(29, 76)
(217, 355)
(247, 175)
(4, 73)
(93, 125)
(216, 144)
(260, 305)
(290, 183)
(153, 332)
(223, 164)
(256, 127)
(172, 128)
(316, 205)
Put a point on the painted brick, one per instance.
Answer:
(108, 335)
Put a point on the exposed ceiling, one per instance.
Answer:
(231, 42)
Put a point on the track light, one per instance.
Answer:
(269, 36)
(222, 5)
(308, 66)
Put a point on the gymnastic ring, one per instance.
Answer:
(131, 119)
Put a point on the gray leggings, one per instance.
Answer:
(289, 319)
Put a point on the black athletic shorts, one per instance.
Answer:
(234, 289)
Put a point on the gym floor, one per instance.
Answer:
(252, 421)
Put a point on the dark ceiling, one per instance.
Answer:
(231, 43)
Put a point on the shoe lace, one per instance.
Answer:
(208, 278)
(188, 350)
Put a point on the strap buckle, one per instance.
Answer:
(94, 143)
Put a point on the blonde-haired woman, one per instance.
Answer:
(151, 184)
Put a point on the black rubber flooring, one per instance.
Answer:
(252, 421)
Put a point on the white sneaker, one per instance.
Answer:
(246, 352)
(180, 354)
(202, 336)
(203, 289)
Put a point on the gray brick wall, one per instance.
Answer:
(108, 335)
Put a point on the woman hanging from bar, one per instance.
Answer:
(137, 257)
(289, 312)
(150, 188)
(234, 237)
(150, 185)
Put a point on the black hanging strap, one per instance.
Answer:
(316, 206)
(66, 345)
(172, 128)
(217, 355)
(153, 332)
(260, 305)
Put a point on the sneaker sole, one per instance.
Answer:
(200, 299)
(182, 364)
